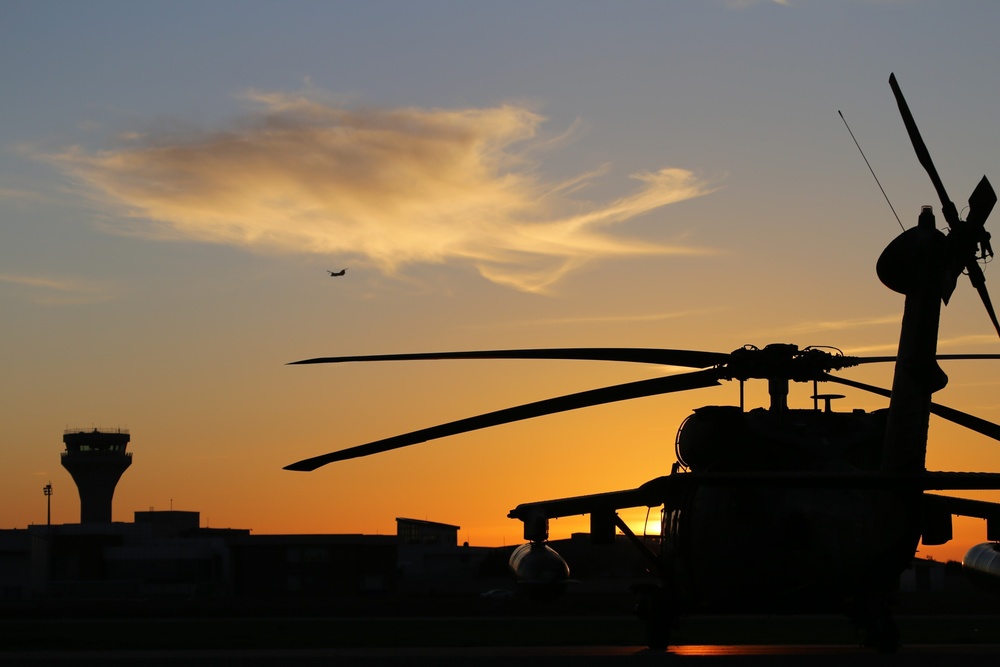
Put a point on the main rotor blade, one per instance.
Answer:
(971, 422)
(685, 358)
(940, 357)
(947, 207)
(977, 424)
(857, 385)
(621, 392)
(952, 357)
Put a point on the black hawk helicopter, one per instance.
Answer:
(825, 508)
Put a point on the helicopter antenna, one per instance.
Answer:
(872, 171)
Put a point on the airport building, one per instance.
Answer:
(166, 558)
(166, 562)
(164, 555)
(168, 554)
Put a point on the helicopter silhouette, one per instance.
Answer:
(777, 508)
(334, 274)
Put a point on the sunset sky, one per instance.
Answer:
(176, 179)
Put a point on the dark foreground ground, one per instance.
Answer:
(732, 655)
(481, 640)
(339, 633)
(444, 631)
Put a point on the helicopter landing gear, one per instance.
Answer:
(654, 609)
(878, 628)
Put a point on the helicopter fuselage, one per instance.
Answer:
(731, 547)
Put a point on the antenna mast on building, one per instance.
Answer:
(47, 490)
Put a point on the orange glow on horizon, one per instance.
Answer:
(167, 240)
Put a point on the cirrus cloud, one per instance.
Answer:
(50, 290)
(392, 186)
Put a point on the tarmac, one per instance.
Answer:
(738, 655)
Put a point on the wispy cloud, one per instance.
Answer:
(56, 291)
(18, 194)
(744, 4)
(944, 345)
(986, 341)
(603, 319)
(841, 325)
(824, 326)
(392, 186)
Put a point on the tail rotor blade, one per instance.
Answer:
(970, 233)
(981, 203)
(979, 282)
(947, 207)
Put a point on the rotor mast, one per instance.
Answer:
(912, 265)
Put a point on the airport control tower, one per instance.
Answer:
(96, 459)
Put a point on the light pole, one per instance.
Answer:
(48, 499)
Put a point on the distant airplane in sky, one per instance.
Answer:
(336, 273)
